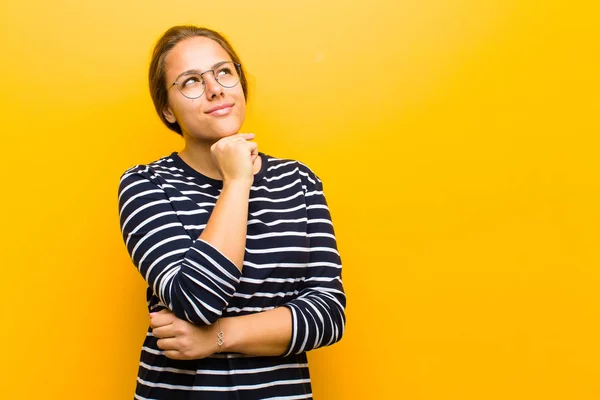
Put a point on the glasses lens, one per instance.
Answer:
(191, 85)
(227, 74)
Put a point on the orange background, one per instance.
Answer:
(458, 142)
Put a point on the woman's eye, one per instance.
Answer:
(191, 81)
(224, 71)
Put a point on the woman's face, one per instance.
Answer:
(219, 111)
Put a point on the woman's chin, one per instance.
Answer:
(213, 135)
(226, 128)
(226, 131)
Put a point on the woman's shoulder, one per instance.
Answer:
(150, 169)
(143, 176)
(277, 166)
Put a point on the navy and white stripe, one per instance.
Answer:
(291, 260)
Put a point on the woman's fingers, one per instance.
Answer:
(162, 332)
(168, 344)
(253, 147)
(161, 319)
(231, 157)
(238, 137)
(172, 348)
(246, 136)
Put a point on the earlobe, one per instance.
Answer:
(168, 114)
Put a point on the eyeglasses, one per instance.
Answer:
(191, 84)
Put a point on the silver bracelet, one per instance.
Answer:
(220, 336)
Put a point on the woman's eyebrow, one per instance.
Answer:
(197, 71)
(189, 71)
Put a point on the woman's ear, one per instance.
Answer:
(168, 114)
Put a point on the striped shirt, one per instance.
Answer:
(290, 260)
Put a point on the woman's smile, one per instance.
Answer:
(222, 109)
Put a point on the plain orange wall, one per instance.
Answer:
(458, 144)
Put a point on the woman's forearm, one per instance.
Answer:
(226, 228)
(267, 333)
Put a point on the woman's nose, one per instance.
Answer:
(213, 88)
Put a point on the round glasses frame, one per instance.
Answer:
(238, 68)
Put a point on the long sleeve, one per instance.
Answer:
(318, 316)
(189, 276)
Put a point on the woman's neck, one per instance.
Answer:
(197, 156)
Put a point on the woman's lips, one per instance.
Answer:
(223, 109)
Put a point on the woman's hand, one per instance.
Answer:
(234, 156)
(182, 340)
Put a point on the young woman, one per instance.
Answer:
(237, 247)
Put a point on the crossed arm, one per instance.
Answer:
(262, 334)
(183, 276)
